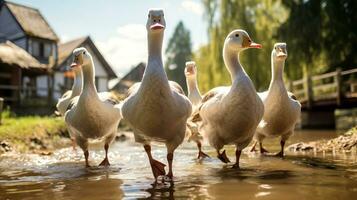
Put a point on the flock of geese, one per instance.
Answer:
(158, 110)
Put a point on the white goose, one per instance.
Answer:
(157, 109)
(282, 110)
(90, 117)
(195, 97)
(230, 115)
(66, 98)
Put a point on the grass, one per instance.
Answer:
(31, 132)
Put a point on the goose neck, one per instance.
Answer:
(89, 79)
(155, 46)
(192, 85)
(277, 68)
(77, 83)
(231, 60)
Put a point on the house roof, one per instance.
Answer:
(135, 75)
(65, 52)
(13, 55)
(31, 21)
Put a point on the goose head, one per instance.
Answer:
(190, 70)
(156, 21)
(279, 52)
(239, 40)
(81, 58)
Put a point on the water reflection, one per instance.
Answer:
(63, 176)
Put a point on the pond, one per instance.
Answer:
(297, 176)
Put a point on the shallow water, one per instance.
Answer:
(297, 176)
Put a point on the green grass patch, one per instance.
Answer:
(23, 132)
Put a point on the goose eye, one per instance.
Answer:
(84, 53)
(154, 20)
(159, 20)
(237, 35)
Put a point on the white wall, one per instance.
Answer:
(102, 84)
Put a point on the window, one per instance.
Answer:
(42, 50)
(35, 48)
(48, 50)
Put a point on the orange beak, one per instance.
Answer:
(255, 45)
(74, 65)
(157, 26)
(247, 43)
(281, 54)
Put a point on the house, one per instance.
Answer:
(24, 27)
(16, 65)
(103, 71)
(43, 69)
(135, 75)
(28, 29)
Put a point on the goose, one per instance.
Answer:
(157, 109)
(230, 115)
(66, 98)
(195, 97)
(282, 110)
(64, 102)
(89, 116)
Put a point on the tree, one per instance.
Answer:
(321, 35)
(260, 19)
(178, 52)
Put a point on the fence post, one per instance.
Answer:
(338, 82)
(1, 108)
(309, 91)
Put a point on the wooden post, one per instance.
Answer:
(19, 87)
(309, 91)
(1, 108)
(338, 82)
(50, 89)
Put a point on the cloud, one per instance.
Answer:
(126, 48)
(192, 6)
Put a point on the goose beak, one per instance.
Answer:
(189, 71)
(248, 43)
(255, 45)
(281, 53)
(157, 26)
(74, 65)
(77, 61)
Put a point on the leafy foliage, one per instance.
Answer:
(259, 18)
(321, 35)
(178, 52)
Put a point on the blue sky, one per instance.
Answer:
(118, 27)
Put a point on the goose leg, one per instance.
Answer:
(105, 162)
(281, 153)
(201, 154)
(157, 167)
(86, 155)
(262, 150)
(83, 143)
(238, 153)
(170, 157)
(284, 137)
(222, 156)
(73, 140)
(253, 147)
(108, 140)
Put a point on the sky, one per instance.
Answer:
(118, 27)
